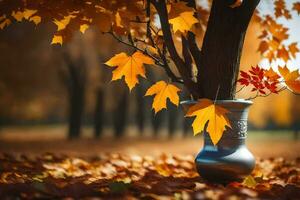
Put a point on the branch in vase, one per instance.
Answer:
(161, 8)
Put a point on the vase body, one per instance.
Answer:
(228, 160)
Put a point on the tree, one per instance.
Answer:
(75, 79)
(168, 33)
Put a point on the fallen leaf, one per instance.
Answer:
(162, 92)
(207, 112)
(249, 181)
(4, 23)
(61, 24)
(83, 28)
(35, 19)
(57, 39)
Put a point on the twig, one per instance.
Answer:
(157, 61)
(239, 90)
(217, 93)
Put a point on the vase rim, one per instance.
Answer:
(242, 101)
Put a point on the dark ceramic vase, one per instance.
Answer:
(229, 160)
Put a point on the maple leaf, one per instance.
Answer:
(293, 49)
(57, 39)
(182, 17)
(283, 54)
(162, 92)
(35, 19)
(61, 24)
(263, 47)
(183, 22)
(280, 9)
(26, 14)
(271, 74)
(250, 182)
(83, 28)
(207, 112)
(296, 7)
(4, 22)
(291, 79)
(129, 66)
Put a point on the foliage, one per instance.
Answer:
(162, 92)
(129, 66)
(116, 176)
(214, 116)
(157, 30)
(266, 82)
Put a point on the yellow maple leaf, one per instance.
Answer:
(61, 24)
(162, 92)
(181, 17)
(17, 15)
(35, 19)
(291, 78)
(28, 13)
(4, 22)
(83, 28)
(129, 66)
(183, 22)
(57, 39)
(20, 15)
(206, 111)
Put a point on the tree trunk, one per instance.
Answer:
(99, 113)
(120, 115)
(76, 89)
(140, 111)
(222, 47)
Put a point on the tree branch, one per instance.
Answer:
(246, 10)
(157, 61)
(195, 51)
(186, 54)
(161, 8)
(162, 55)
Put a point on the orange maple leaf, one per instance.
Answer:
(283, 54)
(280, 9)
(129, 66)
(293, 49)
(271, 75)
(207, 112)
(296, 7)
(162, 92)
(291, 79)
(263, 47)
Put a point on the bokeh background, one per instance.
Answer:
(51, 94)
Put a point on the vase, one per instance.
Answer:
(228, 160)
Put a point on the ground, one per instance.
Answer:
(136, 167)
